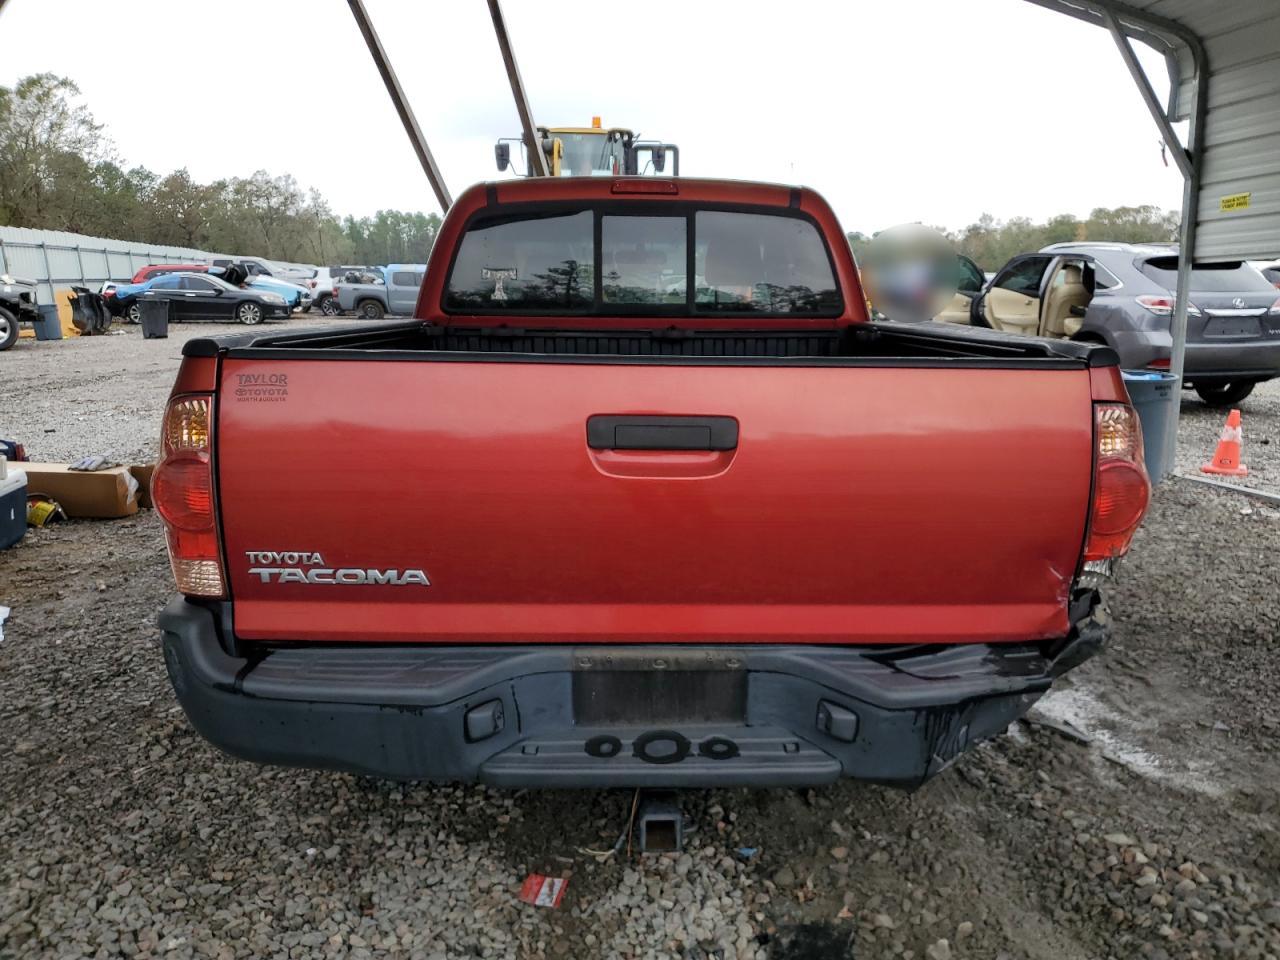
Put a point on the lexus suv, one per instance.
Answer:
(1122, 294)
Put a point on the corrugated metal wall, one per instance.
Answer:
(57, 259)
(1239, 213)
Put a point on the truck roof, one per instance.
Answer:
(535, 189)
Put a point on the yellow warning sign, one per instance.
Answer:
(1236, 201)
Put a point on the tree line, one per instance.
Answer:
(990, 243)
(60, 171)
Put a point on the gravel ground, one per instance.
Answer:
(122, 833)
(1201, 424)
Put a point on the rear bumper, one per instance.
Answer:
(1204, 360)
(548, 716)
(1241, 360)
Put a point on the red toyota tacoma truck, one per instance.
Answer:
(640, 497)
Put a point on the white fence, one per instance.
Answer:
(55, 259)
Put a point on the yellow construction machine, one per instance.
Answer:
(594, 151)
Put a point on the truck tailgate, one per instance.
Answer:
(860, 504)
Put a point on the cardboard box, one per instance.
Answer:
(101, 494)
(142, 473)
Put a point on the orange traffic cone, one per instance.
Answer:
(1226, 460)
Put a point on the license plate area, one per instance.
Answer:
(658, 685)
(1236, 328)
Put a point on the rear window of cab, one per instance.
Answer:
(668, 260)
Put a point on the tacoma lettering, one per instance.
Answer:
(345, 575)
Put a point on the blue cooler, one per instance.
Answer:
(13, 505)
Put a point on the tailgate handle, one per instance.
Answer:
(640, 432)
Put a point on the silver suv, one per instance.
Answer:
(1121, 294)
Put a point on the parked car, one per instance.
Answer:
(971, 281)
(254, 266)
(199, 296)
(633, 535)
(396, 295)
(260, 267)
(122, 299)
(154, 270)
(326, 279)
(17, 306)
(300, 273)
(1122, 294)
(298, 297)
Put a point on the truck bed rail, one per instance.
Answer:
(871, 344)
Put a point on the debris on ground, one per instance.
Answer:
(543, 891)
(42, 510)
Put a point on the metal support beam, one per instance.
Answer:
(1167, 35)
(1182, 296)
(536, 158)
(402, 105)
(1190, 219)
(1180, 154)
(1188, 161)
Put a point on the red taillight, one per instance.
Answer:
(1121, 489)
(182, 491)
(1160, 306)
(1163, 306)
(1162, 363)
(1121, 500)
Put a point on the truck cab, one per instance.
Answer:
(396, 294)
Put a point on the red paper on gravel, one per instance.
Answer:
(543, 891)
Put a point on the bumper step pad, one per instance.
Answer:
(689, 757)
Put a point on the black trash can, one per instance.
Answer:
(155, 318)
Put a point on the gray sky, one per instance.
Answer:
(929, 110)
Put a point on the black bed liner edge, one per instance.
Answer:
(984, 348)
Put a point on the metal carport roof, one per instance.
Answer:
(1224, 70)
(1223, 58)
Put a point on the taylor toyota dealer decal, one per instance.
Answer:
(300, 566)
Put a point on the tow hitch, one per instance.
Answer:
(659, 822)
